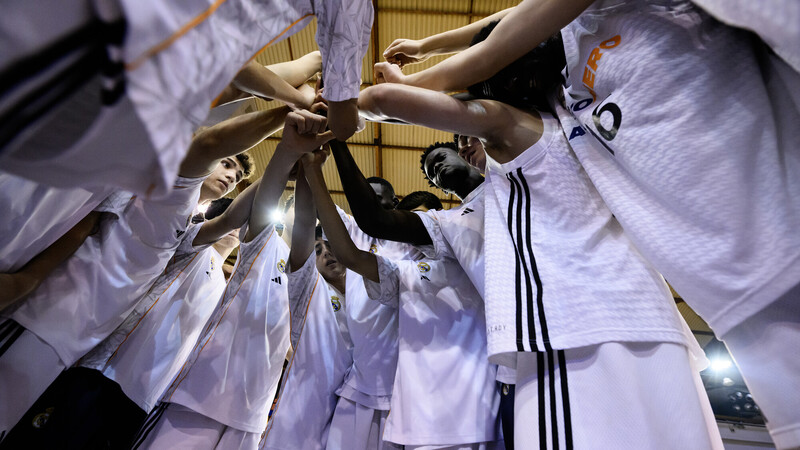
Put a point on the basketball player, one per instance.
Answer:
(248, 335)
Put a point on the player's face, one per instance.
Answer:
(471, 149)
(385, 195)
(224, 178)
(327, 264)
(445, 168)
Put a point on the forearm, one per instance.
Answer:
(261, 81)
(395, 225)
(304, 224)
(452, 41)
(234, 217)
(300, 70)
(520, 31)
(338, 237)
(229, 138)
(268, 192)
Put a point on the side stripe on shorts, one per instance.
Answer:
(547, 382)
(10, 331)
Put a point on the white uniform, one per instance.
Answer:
(716, 218)
(37, 215)
(561, 275)
(444, 391)
(233, 372)
(322, 356)
(144, 354)
(178, 58)
(100, 284)
(457, 233)
(777, 22)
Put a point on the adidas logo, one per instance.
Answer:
(277, 280)
(179, 233)
(467, 211)
(423, 277)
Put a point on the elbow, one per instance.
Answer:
(373, 99)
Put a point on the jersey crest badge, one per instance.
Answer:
(423, 267)
(282, 266)
(213, 263)
(373, 249)
(337, 305)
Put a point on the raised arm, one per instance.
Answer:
(234, 217)
(263, 82)
(305, 220)
(15, 286)
(302, 133)
(527, 25)
(359, 261)
(410, 51)
(395, 225)
(228, 138)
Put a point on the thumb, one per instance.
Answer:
(324, 137)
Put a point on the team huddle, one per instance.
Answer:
(602, 146)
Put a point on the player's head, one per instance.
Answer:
(385, 192)
(471, 149)
(419, 201)
(328, 266)
(444, 168)
(216, 208)
(225, 176)
(528, 81)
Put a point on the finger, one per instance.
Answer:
(325, 137)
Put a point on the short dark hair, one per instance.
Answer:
(382, 181)
(418, 198)
(247, 164)
(318, 232)
(215, 208)
(428, 150)
(528, 81)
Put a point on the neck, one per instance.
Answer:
(338, 283)
(223, 250)
(470, 184)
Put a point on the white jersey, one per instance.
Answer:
(98, 286)
(37, 215)
(144, 354)
(560, 273)
(234, 369)
(372, 326)
(443, 364)
(322, 356)
(777, 22)
(457, 233)
(707, 189)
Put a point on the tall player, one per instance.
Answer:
(239, 357)
(725, 238)
(543, 274)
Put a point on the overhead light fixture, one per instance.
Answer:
(718, 365)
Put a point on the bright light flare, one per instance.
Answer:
(276, 216)
(202, 208)
(719, 365)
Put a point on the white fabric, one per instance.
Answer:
(36, 215)
(90, 295)
(458, 233)
(442, 355)
(233, 372)
(372, 327)
(764, 347)
(321, 358)
(26, 369)
(695, 97)
(613, 395)
(560, 272)
(357, 427)
(144, 354)
(181, 428)
(777, 22)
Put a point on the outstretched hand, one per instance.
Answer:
(385, 72)
(404, 51)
